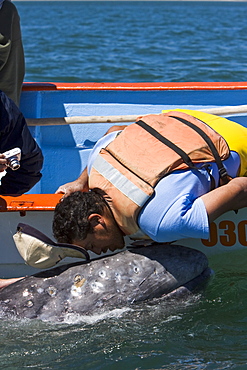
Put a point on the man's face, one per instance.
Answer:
(106, 236)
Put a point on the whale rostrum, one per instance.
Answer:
(123, 279)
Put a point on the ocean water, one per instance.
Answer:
(138, 42)
(148, 41)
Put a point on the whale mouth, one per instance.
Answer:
(193, 286)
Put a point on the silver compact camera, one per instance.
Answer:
(13, 157)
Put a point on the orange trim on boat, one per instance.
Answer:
(141, 86)
(29, 202)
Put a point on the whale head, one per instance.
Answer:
(123, 279)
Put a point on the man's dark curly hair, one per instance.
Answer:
(70, 220)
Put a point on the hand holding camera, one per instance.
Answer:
(10, 159)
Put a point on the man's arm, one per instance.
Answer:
(81, 184)
(115, 128)
(226, 198)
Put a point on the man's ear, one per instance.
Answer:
(96, 219)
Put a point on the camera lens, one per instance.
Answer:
(14, 164)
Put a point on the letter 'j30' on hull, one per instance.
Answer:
(120, 280)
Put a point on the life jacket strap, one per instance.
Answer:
(225, 178)
(168, 143)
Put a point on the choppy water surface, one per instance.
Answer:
(207, 331)
(138, 42)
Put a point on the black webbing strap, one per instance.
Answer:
(222, 171)
(167, 142)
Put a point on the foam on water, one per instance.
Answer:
(93, 319)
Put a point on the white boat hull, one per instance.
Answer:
(228, 237)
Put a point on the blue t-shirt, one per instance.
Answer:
(175, 210)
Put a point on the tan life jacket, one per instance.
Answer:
(128, 169)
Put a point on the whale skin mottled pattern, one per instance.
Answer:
(123, 279)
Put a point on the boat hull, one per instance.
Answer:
(66, 148)
(228, 233)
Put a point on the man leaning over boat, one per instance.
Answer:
(138, 183)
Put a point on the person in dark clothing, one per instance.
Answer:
(12, 60)
(15, 133)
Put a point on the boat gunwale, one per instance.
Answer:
(138, 86)
(29, 202)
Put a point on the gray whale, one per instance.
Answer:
(126, 278)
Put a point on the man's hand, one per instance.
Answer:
(3, 163)
(71, 187)
(80, 184)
